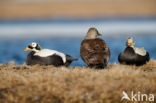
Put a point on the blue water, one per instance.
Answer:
(12, 49)
(65, 35)
(76, 27)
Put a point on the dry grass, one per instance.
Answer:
(48, 84)
(77, 9)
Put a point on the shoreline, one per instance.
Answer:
(151, 64)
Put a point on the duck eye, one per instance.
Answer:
(34, 45)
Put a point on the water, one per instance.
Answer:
(65, 35)
(13, 49)
(77, 27)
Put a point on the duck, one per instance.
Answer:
(46, 56)
(94, 50)
(132, 55)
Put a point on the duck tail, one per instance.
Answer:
(71, 59)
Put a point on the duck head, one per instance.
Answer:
(33, 47)
(92, 33)
(130, 42)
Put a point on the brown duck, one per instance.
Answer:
(94, 51)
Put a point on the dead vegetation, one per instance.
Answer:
(48, 84)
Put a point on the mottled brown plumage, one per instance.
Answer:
(94, 51)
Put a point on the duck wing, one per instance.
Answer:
(140, 51)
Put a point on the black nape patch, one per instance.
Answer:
(38, 47)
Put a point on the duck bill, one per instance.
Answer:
(26, 49)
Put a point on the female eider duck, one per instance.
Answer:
(132, 55)
(46, 56)
(94, 50)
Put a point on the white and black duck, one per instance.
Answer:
(132, 55)
(46, 56)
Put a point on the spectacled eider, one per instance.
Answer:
(132, 55)
(94, 51)
(46, 56)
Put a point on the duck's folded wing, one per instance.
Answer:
(140, 51)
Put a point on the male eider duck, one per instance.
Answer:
(94, 51)
(132, 55)
(46, 56)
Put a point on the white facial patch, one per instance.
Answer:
(34, 44)
(47, 52)
(140, 51)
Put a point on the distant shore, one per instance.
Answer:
(51, 28)
(46, 84)
(76, 9)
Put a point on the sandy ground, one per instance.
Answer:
(48, 84)
(10, 9)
